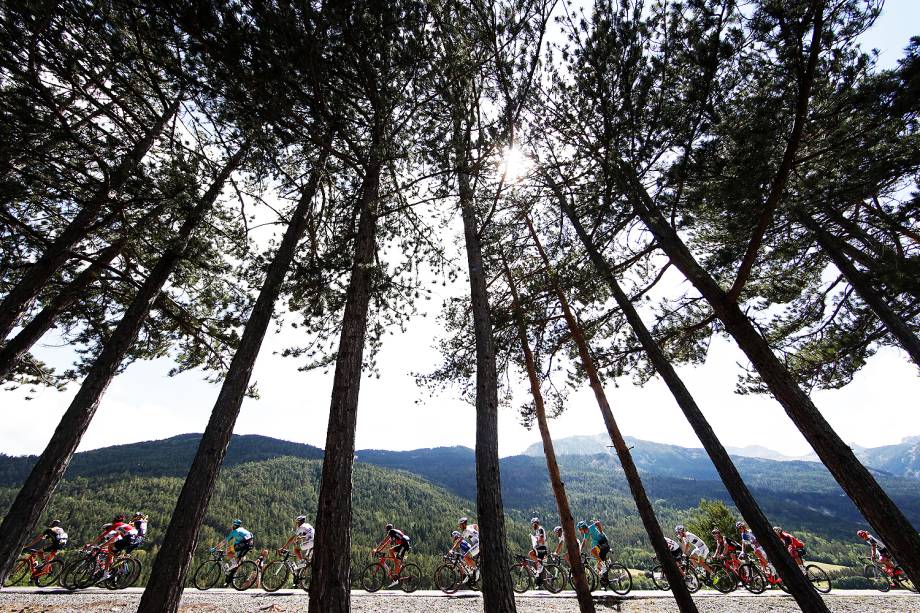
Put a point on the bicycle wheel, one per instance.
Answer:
(520, 578)
(553, 578)
(410, 578)
(67, 575)
(692, 580)
(304, 577)
(19, 572)
(592, 577)
(618, 579)
(752, 579)
(901, 578)
(246, 576)
(659, 579)
(86, 574)
(876, 577)
(818, 578)
(373, 576)
(275, 576)
(49, 573)
(723, 580)
(207, 575)
(447, 578)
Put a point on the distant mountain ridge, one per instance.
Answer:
(900, 460)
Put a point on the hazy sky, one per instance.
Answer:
(878, 407)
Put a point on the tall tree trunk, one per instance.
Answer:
(45, 319)
(36, 492)
(330, 589)
(807, 598)
(168, 576)
(876, 506)
(57, 254)
(646, 512)
(860, 282)
(498, 597)
(579, 579)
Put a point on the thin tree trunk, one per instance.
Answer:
(860, 282)
(807, 598)
(57, 254)
(646, 512)
(876, 506)
(330, 589)
(45, 319)
(47, 473)
(498, 597)
(580, 581)
(168, 576)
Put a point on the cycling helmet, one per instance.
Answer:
(138, 515)
(535, 520)
(679, 528)
(463, 520)
(582, 525)
(777, 528)
(119, 518)
(862, 534)
(388, 527)
(455, 534)
(106, 526)
(739, 524)
(716, 531)
(54, 523)
(237, 523)
(557, 530)
(301, 519)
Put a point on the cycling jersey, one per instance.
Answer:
(305, 533)
(538, 537)
(790, 541)
(672, 544)
(472, 533)
(597, 537)
(398, 536)
(56, 534)
(748, 538)
(239, 535)
(126, 530)
(141, 526)
(879, 545)
(692, 540)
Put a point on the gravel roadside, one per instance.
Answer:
(385, 603)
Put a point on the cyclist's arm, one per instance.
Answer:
(382, 544)
(289, 541)
(34, 541)
(454, 546)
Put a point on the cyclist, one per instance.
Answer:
(57, 540)
(304, 535)
(695, 547)
(241, 542)
(794, 546)
(140, 523)
(120, 538)
(674, 548)
(398, 543)
(725, 547)
(470, 532)
(878, 550)
(560, 543)
(749, 540)
(592, 533)
(458, 542)
(538, 545)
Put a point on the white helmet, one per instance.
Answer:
(679, 528)
(535, 520)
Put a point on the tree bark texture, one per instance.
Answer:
(330, 589)
(58, 252)
(860, 282)
(170, 569)
(876, 506)
(646, 512)
(498, 597)
(801, 589)
(566, 520)
(47, 473)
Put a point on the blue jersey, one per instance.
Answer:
(596, 535)
(239, 535)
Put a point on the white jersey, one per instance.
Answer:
(692, 540)
(538, 537)
(305, 533)
(672, 544)
(471, 533)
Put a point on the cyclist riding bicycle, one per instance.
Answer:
(57, 540)
(398, 544)
(538, 544)
(461, 544)
(470, 532)
(304, 535)
(121, 538)
(241, 542)
(749, 540)
(592, 533)
(560, 543)
(140, 524)
(794, 546)
(725, 547)
(878, 550)
(695, 547)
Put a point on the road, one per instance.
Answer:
(57, 600)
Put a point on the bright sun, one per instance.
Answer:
(513, 165)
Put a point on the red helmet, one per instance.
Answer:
(862, 534)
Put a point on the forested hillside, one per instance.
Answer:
(266, 482)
